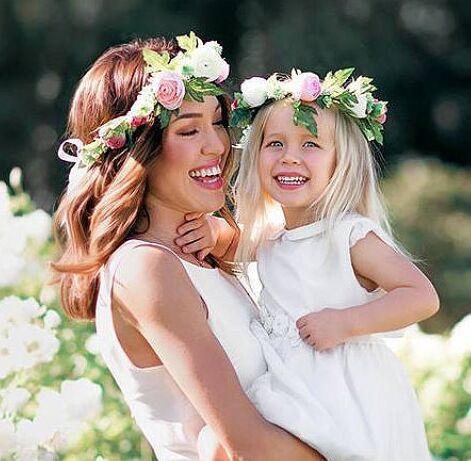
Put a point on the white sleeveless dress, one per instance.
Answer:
(360, 391)
(163, 413)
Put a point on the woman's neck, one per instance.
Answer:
(163, 223)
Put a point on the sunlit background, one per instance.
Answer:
(419, 53)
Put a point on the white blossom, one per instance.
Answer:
(14, 399)
(254, 91)
(7, 437)
(206, 62)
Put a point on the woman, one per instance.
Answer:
(174, 331)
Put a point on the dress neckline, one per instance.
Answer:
(184, 261)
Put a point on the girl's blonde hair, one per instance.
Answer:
(353, 186)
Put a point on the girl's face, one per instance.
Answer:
(186, 175)
(295, 166)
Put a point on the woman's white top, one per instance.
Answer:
(356, 392)
(163, 413)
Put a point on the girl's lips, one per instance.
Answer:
(290, 181)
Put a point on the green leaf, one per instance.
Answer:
(156, 61)
(187, 42)
(198, 88)
(164, 118)
(304, 115)
(324, 101)
(240, 118)
(342, 75)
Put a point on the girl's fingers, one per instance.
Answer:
(203, 253)
(193, 215)
(304, 333)
(189, 226)
(195, 246)
(301, 322)
(189, 237)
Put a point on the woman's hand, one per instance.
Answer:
(324, 329)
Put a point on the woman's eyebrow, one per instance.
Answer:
(189, 115)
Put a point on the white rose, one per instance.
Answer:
(254, 91)
(206, 62)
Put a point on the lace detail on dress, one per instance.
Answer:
(279, 326)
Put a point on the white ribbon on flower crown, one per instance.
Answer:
(77, 172)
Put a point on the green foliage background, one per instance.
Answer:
(419, 53)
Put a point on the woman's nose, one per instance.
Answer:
(216, 142)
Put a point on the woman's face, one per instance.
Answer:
(186, 175)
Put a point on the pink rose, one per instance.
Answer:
(116, 141)
(169, 89)
(382, 118)
(224, 72)
(306, 87)
(136, 121)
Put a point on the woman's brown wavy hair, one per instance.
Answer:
(104, 209)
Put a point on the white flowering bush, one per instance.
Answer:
(51, 407)
(36, 421)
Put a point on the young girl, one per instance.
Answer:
(332, 276)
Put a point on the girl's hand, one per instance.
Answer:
(324, 329)
(198, 235)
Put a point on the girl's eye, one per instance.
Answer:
(310, 144)
(275, 144)
(189, 132)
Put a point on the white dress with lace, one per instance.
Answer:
(357, 392)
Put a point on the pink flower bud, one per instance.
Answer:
(116, 142)
(306, 87)
(136, 121)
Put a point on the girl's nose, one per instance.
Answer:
(290, 158)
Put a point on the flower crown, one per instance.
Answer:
(354, 99)
(193, 74)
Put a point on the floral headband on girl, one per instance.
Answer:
(189, 75)
(355, 99)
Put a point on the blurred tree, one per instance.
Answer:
(418, 51)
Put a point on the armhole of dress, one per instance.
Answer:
(357, 231)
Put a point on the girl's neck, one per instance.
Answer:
(296, 217)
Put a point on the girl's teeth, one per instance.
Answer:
(298, 180)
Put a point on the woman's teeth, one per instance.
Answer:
(202, 172)
(298, 180)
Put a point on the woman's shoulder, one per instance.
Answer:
(150, 275)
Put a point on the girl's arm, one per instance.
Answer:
(410, 298)
(164, 307)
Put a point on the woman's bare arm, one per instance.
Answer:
(155, 290)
